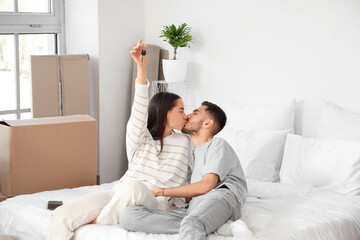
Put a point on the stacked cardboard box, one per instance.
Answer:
(47, 154)
(60, 85)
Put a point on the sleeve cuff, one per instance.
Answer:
(142, 89)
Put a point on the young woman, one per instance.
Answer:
(158, 158)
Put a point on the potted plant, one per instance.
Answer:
(175, 70)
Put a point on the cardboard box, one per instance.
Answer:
(60, 85)
(47, 154)
(3, 197)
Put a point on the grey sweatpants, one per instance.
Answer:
(205, 214)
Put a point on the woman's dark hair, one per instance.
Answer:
(159, 106)
(217, 114)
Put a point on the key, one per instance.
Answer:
(143, 53)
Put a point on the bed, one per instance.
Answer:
(298, 188)
(272, 211)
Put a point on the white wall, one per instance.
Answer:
(247, 51)
(121, 25)
(259, 49)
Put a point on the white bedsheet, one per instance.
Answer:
(278, 211)
(272, 211)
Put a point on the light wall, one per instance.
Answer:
(243, 51)
(121, 25)
(263, 50)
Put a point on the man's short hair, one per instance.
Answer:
(217, 114)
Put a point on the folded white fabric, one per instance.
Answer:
(261, 117)
(329, 164)
(339, 123)
(260, 152)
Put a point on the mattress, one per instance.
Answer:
(272, 211)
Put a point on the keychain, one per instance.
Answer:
(143, 53)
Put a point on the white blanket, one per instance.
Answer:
(278, 211)
(272, 211)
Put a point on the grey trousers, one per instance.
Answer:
(205, 214)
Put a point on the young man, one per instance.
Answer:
(218, 187)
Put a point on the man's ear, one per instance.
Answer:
(208, 123)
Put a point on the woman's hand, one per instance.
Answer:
(140, 62)
(136, 54)
(157, 192)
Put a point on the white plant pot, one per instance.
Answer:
(174, 70)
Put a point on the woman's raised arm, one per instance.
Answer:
(137, 124)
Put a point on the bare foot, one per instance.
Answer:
(95, 221)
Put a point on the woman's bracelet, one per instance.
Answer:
(163, 191)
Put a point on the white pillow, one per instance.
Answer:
(260, 153)
(338, 123)
(261, 117)
(329, 164)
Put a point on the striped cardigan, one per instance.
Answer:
(170, 168)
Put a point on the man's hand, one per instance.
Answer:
(207, 183)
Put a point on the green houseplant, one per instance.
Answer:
(177, 36)
(175, 70)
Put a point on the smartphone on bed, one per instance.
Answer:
(54, 204)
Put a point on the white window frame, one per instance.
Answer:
(24, 23)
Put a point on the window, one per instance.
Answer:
(27, 27)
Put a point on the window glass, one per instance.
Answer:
(7, 73)
(26, 115)
(36, 6)
(31, 44)
(19, 39)
(6, 5)
(8, 117)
